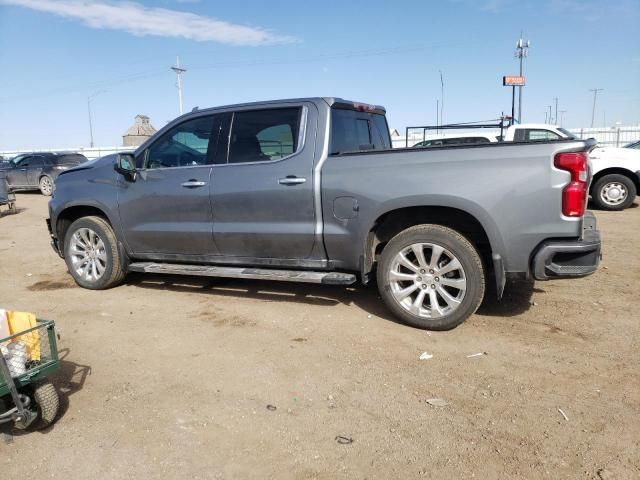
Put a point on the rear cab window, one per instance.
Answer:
(355, 130)
(539, 135)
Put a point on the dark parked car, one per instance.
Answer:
(635, 145)
(439, 142)
(37, 171)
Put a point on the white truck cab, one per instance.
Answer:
(531, 132)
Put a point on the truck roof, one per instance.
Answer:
(331, 101)
(545, 126)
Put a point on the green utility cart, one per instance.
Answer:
(28, 399)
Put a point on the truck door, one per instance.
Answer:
(166, 211)
(263, 196)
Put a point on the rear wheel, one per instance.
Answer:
(613, 192)
(46, 186)
(431, 277)
(91, 253)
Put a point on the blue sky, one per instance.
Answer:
(55, 53)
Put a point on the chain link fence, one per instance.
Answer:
(606, 137)
(609, 137)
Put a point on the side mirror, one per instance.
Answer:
(126, 165)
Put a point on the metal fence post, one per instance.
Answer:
(618, 137)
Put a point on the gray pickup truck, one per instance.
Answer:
(310, 190)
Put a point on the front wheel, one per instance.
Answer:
(431, 277)
(613, 192)
(91, 253)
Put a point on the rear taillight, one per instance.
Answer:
(574, 195)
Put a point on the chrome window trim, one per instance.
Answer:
(172, 168)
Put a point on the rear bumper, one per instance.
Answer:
(569, 258)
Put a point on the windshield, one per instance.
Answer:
(569, 135)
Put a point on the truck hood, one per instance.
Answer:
(98, 162)
(611, 153)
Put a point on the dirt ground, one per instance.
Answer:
(170, 377)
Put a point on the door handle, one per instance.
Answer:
(193, 184)
(291, 180)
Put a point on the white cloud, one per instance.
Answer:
(140, 20)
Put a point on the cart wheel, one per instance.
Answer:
(47, 402)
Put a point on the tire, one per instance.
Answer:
(457, 288)
(613, 192)
(47, 402)
(46, 185)
(97, 265)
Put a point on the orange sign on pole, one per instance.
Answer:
(513, 81)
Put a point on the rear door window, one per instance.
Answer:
(36, 162)
(476, 140)
(264, 135)
(75, 159)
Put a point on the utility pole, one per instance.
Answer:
(89, 98)
(437, 115)
(555, 120)
(179, 71)
(522, 51)
(545, 116)
(595, 95)
(550, 119)
(562, 112)
(441, 98)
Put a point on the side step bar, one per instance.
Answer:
(304, 276)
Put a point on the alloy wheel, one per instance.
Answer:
(427, 280)
(88, 254)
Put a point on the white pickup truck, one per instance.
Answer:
(616, 171)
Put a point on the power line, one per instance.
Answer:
(89, 86)
(132, 77)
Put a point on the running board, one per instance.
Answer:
(304, 276)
